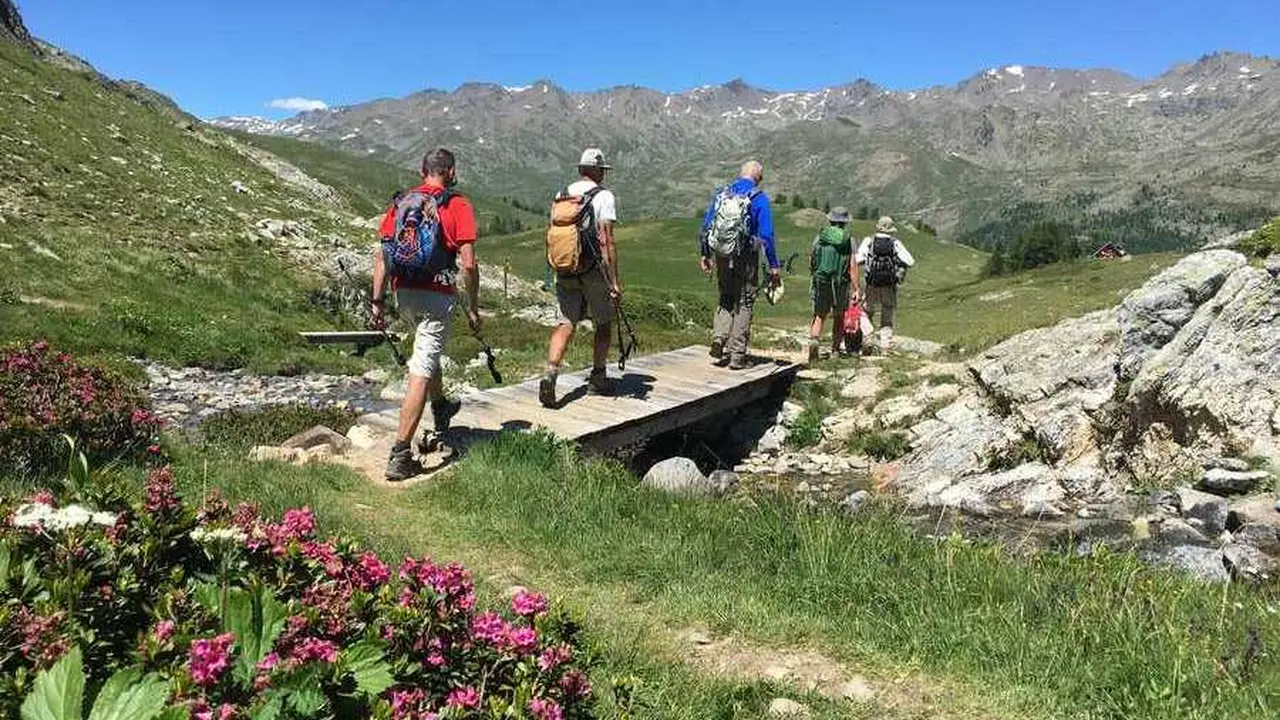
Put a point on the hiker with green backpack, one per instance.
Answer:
(831, 269)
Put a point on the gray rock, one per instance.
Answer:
(1273, 265)
(1210, 510)
(677, 475)
(789, 413)
(772, 440)
(1218, 379)
(1227, 463)
(1248, 564)
(786, 707)
(1176, 531)
(1264, 537)
(1202, 563)
(270, 453)
(723, 482)
(864, 385)
(318, 436)
(1153, 314)
(1230, 482)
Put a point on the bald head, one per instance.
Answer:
(754, 170)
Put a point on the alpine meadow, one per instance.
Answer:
(854, 400)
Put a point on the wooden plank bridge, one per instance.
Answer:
(655, 394)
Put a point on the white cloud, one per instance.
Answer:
(297, 104)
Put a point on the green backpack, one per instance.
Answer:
(832, 252)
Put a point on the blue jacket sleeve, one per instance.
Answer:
(764, 228)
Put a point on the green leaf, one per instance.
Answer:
(366, 661)
(5, 556)
(307, 702)
(175, 713)
(269, 711)
(209, 596)
(58, 693)
(129, 695)
(256, 619)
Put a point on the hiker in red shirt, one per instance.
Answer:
(429, 298)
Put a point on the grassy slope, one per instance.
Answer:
(960, 630)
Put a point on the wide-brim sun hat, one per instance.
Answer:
(838, 215)
(885, 225)
(593, 158)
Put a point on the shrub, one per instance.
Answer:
(1264, 242)
(883, 445)
(220, 613)
(243, 429)
(45, 395)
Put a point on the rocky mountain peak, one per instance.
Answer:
(11, 25)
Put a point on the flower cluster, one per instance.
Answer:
(45, 395)
(236, 611)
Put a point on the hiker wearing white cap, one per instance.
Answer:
(882, 260)
(830, 269)
(581, 250)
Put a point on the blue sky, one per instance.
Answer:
(222, 57)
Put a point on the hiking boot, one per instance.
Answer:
(442, 411)
(547, 391)
(813, 353)
(738, 363)
(717, 349)
(402, 465)
(598, 382)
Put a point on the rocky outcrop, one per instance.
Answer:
(11, 25)
(1177, 384)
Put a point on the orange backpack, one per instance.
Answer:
(572, 231)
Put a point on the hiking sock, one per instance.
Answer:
(547, 386)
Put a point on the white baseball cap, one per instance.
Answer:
(594, 158)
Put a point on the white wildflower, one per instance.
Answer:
(71, 516)
(228, 535)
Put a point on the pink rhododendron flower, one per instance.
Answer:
(436, 660)
(407, 704)
(268, 663)
(163, 630)
(44, 497)
(467, 698)
(546, 709)
(371, 572)
(161, 495)
(528, 604)
(299, 523)
(315, 649)
(554, 657)
(325, 554)
(42, 639)
(523, 640)
(490, 627)
(210, 658)
(575, 684)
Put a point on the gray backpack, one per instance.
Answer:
(730, 230)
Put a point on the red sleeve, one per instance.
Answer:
(459, 220)
(388, 226)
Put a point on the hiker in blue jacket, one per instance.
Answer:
(738, 223)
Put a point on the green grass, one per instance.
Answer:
(1044, 635)
(945, 298)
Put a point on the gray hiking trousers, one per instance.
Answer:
(739, 280)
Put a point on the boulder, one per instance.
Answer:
(1151, 315)
(1176, 531)
(1031, 489)
(271, 453)
(1202, 563)
(1273, 265)
(1216, 384)
(787, 708)
(1230, 482)
(1248, 564)
(723, 482)
(863, 386)
(677, 475)
(319, 436)
(772, 440)
(854, 501)
(1074, 355)
(362, 437)
(1209, 510)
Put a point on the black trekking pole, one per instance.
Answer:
(489, 360)
(380, 327)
